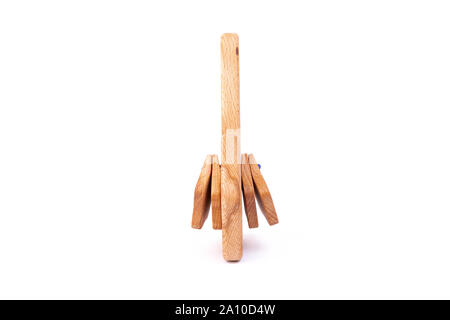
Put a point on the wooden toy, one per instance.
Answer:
(223, 186)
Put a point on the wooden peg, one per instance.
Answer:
(215, 194)
(248, 193)
(202, 195)
(231, 151)
(262, 193)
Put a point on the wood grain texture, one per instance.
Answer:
(248, 193)
(231, 153)
(215, 194)
(202, 195)
(262, 193)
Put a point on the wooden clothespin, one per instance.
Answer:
(222, 186)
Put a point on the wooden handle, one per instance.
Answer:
(231, 151)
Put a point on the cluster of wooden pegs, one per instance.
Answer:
(222, 187)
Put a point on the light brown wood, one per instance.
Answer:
(231, 152)
(202, 195)
(262, 193)
(215, 194)
(248, 192)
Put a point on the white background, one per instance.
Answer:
(108, 108)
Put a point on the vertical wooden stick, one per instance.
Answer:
(231, 151)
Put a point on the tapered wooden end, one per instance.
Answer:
(248, 192)
(262, 193)
(202, 195)
(215, 194)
